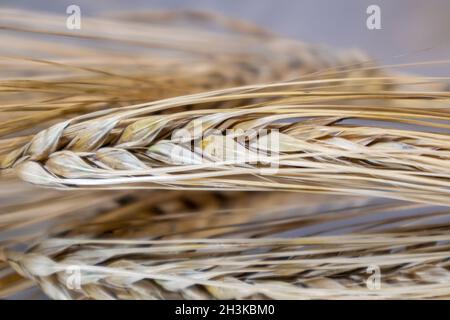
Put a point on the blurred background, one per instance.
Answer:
(412, 30)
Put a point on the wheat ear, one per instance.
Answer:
(344, 142)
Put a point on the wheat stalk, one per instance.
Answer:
(320, 150)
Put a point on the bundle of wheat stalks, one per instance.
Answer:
(358, 179)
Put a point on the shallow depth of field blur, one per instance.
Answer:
(412, 30)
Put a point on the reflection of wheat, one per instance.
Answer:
(413, 262)
(84, 122)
